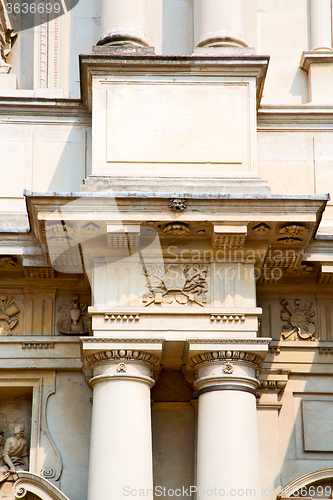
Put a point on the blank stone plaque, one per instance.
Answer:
(318, 425)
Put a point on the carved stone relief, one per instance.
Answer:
(75, 320)
(14, 453)
(178, 284)
(301, 270)
(9, 314)
(15, 420)
(178, 204)
(291, 233)
(299, 321)
(39, 273)
(7, 262)
(6, 38)
(176, 229)
(261, 229)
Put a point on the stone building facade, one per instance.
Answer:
(166, 251)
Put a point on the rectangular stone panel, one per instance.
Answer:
(317, 425)
(183, 123)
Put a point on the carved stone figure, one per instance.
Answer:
(75, 322)
(15, 454)
(6, 38)
(182, 284)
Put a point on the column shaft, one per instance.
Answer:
(221, 22)
(123, 20)
(321, 24)
(121, 446)
(228, 444)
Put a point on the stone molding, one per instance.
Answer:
(225, 356)
(44, 489)
(120, 355)
(315, 57)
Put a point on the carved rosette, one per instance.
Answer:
(227, 357)
(120, 356)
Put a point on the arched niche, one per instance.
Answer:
(310, 485)
(30, 486)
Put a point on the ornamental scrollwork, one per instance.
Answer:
(299, 320)
(120, 356)
(180, 284)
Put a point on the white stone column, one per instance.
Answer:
(228, 445)
(121, 443)
(321, 24)
(220, 23)
(123, 20)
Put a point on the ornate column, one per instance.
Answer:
(123, 21)
(121, 446)
(228, 445)
(220, 23)
(321, 24)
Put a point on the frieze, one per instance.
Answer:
(299, 321)
(39, 273)
(178, 284)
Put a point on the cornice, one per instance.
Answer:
(304, 117)
(110, 63)
(44, 108)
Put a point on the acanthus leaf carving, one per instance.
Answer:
(182, 284)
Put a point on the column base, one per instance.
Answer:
(319, 66)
